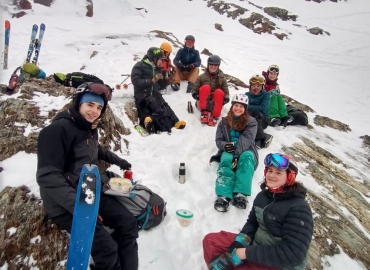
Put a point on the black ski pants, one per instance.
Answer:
(118, 251)
(262, 121)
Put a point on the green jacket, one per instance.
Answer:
(217, 82)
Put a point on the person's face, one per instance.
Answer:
(159, 63)
(212, 68)
(275, 177)
(255, 88)
(238, 109)
(273, 75)
(90, 111)
(189, 43)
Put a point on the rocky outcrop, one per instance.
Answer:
(219, 27)
(317, 31)
(297, 104)
(169, 37)
(89, 8)
(230, 9)
(44, 2)
(24, 4)
(326, 121)
(280, 13)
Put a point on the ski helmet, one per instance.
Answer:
(214, 60)
(166, 47)
(292, 169)
(190, 37)
(154, 54)
(257, 79)
(273, 68)
(242, 99)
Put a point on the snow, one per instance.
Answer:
(324, 72)
(11, 231)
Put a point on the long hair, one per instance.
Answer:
(237, 124)
(292, 189)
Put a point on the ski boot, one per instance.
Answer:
(267, 140)
(274, 122)
(175, 86)
(221, 204)
(204, 117)
(258, 144)
(286, 120)
(240, 201)
(212, 121)
(190, 87)
(149, 125)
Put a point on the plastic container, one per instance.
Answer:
(185, 217)
(120, 184)
(182, 177)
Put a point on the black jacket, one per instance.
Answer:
(63, 148)
(280, 226)
(187, 56)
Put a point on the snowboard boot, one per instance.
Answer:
(240, 201)
(267, 140)
(274, 122)
(175, 86)
(212, 121)
(258, 144)
(190, 87)
(180, 125)
(221, 204)
(286, 120)
(149, 125)
(204, 117)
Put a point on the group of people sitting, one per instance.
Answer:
(279, 228)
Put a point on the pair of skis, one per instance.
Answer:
(35, 43)
(6, 47)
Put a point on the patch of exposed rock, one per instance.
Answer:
(297, 104)
(44, 2)
(169, 37)
(326, 121)
(89, 8)
(366, 140)
(231, 10)
(317, 31)
(280, 13)
(219, 27)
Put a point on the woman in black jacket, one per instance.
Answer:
(64, 146)
(279, 228)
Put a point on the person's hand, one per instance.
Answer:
(234, 164)
(124, 165)
(195, 95)
(189, 67)
(241, 241)
(157, 77)
(226, 261)
(181, 67)
(226, 100)
(229, 147)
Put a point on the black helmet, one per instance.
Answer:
(214, 60)
(154, 54)
(190, 37)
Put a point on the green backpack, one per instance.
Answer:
(31, 69)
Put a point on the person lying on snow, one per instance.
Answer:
(168, 68)
(211, 92)
(278, 232)
(237, 155)
(64, 146)
(154, 112)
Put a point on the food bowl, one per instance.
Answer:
(185, 217)
(120, 184)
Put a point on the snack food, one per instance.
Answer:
(120, 184)
(184, 217)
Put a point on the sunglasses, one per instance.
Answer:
(258, 80)
(215, 65)
(277, 161)
(95, 88)
(274, 69)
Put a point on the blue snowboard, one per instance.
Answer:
(84, 218)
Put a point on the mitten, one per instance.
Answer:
(195, 95)
(123, 164)
(229, 147)
(234, 164)
(226, 100)
(181, 67)
(189, 67)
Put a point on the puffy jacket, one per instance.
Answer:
(187, 56)
(63, 148)
(280, 226)
(270, 85)
(216, 81)
(259, 102)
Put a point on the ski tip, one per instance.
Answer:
(7, 24)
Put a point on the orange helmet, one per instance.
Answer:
(165, 46)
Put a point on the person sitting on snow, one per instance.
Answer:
(211, 91)
(277, 109)
(237, 155)
(63, 148)
(259, 101)
(279, 229)
(168, 68)
(154, 112)
(187, 62)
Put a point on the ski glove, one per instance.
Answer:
(234, 164)
(225, 261)
(189, 67)
(157, 77)
(241, 241)
(195, 95)
(226, 100)
(229, 147)
(181, 67)
(124, 165)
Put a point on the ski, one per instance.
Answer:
(32, 42)
(84, 218)
(190, 107)
(6, 47)
(142, 131)
(38, 43)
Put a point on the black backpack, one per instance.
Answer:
(300, 117)
(75, 79)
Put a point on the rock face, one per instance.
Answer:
(326, 121)
(44, 2)
(24, 4)
(280, 13)
(89, 8)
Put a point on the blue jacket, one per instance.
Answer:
(259, 102)
(187, 56)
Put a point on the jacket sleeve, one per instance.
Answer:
(108, 156)
(177, 58)
(296, 237)
(263, 106)
(136, 77)
(51, 155)
(197, 60)
(247, 138)
(220, 138)
(197, 85)
(225, 88)
(251, 226)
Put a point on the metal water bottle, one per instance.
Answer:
(128, 174)
(182, 178)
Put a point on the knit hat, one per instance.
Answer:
(90, 97)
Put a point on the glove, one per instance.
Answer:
(181, 67)
(241, 241)
(195, 95)
(226, 261)
(189, 67)
(226, 100)
(234, 164)
(124, 165)
(157, 77)
(229, 147)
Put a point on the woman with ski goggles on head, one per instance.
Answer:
(279, 228)
(69, 142)
(277, 109)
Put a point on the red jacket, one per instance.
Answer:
(269, 85)
(166, 63)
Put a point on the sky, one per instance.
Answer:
(325, 72)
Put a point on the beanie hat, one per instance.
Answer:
(90, 97)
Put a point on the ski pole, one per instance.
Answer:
(126, 85)
(118, 86)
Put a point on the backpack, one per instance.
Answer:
(148, 207)
(300, 117)
(31, 69)
(75, 79)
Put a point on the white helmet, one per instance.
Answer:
(242, 99)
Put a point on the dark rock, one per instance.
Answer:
(19, 14)
(89, 8)
(326, 121)
(280, 13)
(222, 8)
(206, 52)
(93, 54)
(219, 27)
(44, 2)
(297, 104)
(24, 4)
(169, 37)
(366, 140)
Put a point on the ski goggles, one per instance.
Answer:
(277, 161)
(257, 80)
(274, 69)
(96, 88)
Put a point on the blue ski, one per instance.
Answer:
(84, 218)
(32, 42)
(6, 47)
(38, 44)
